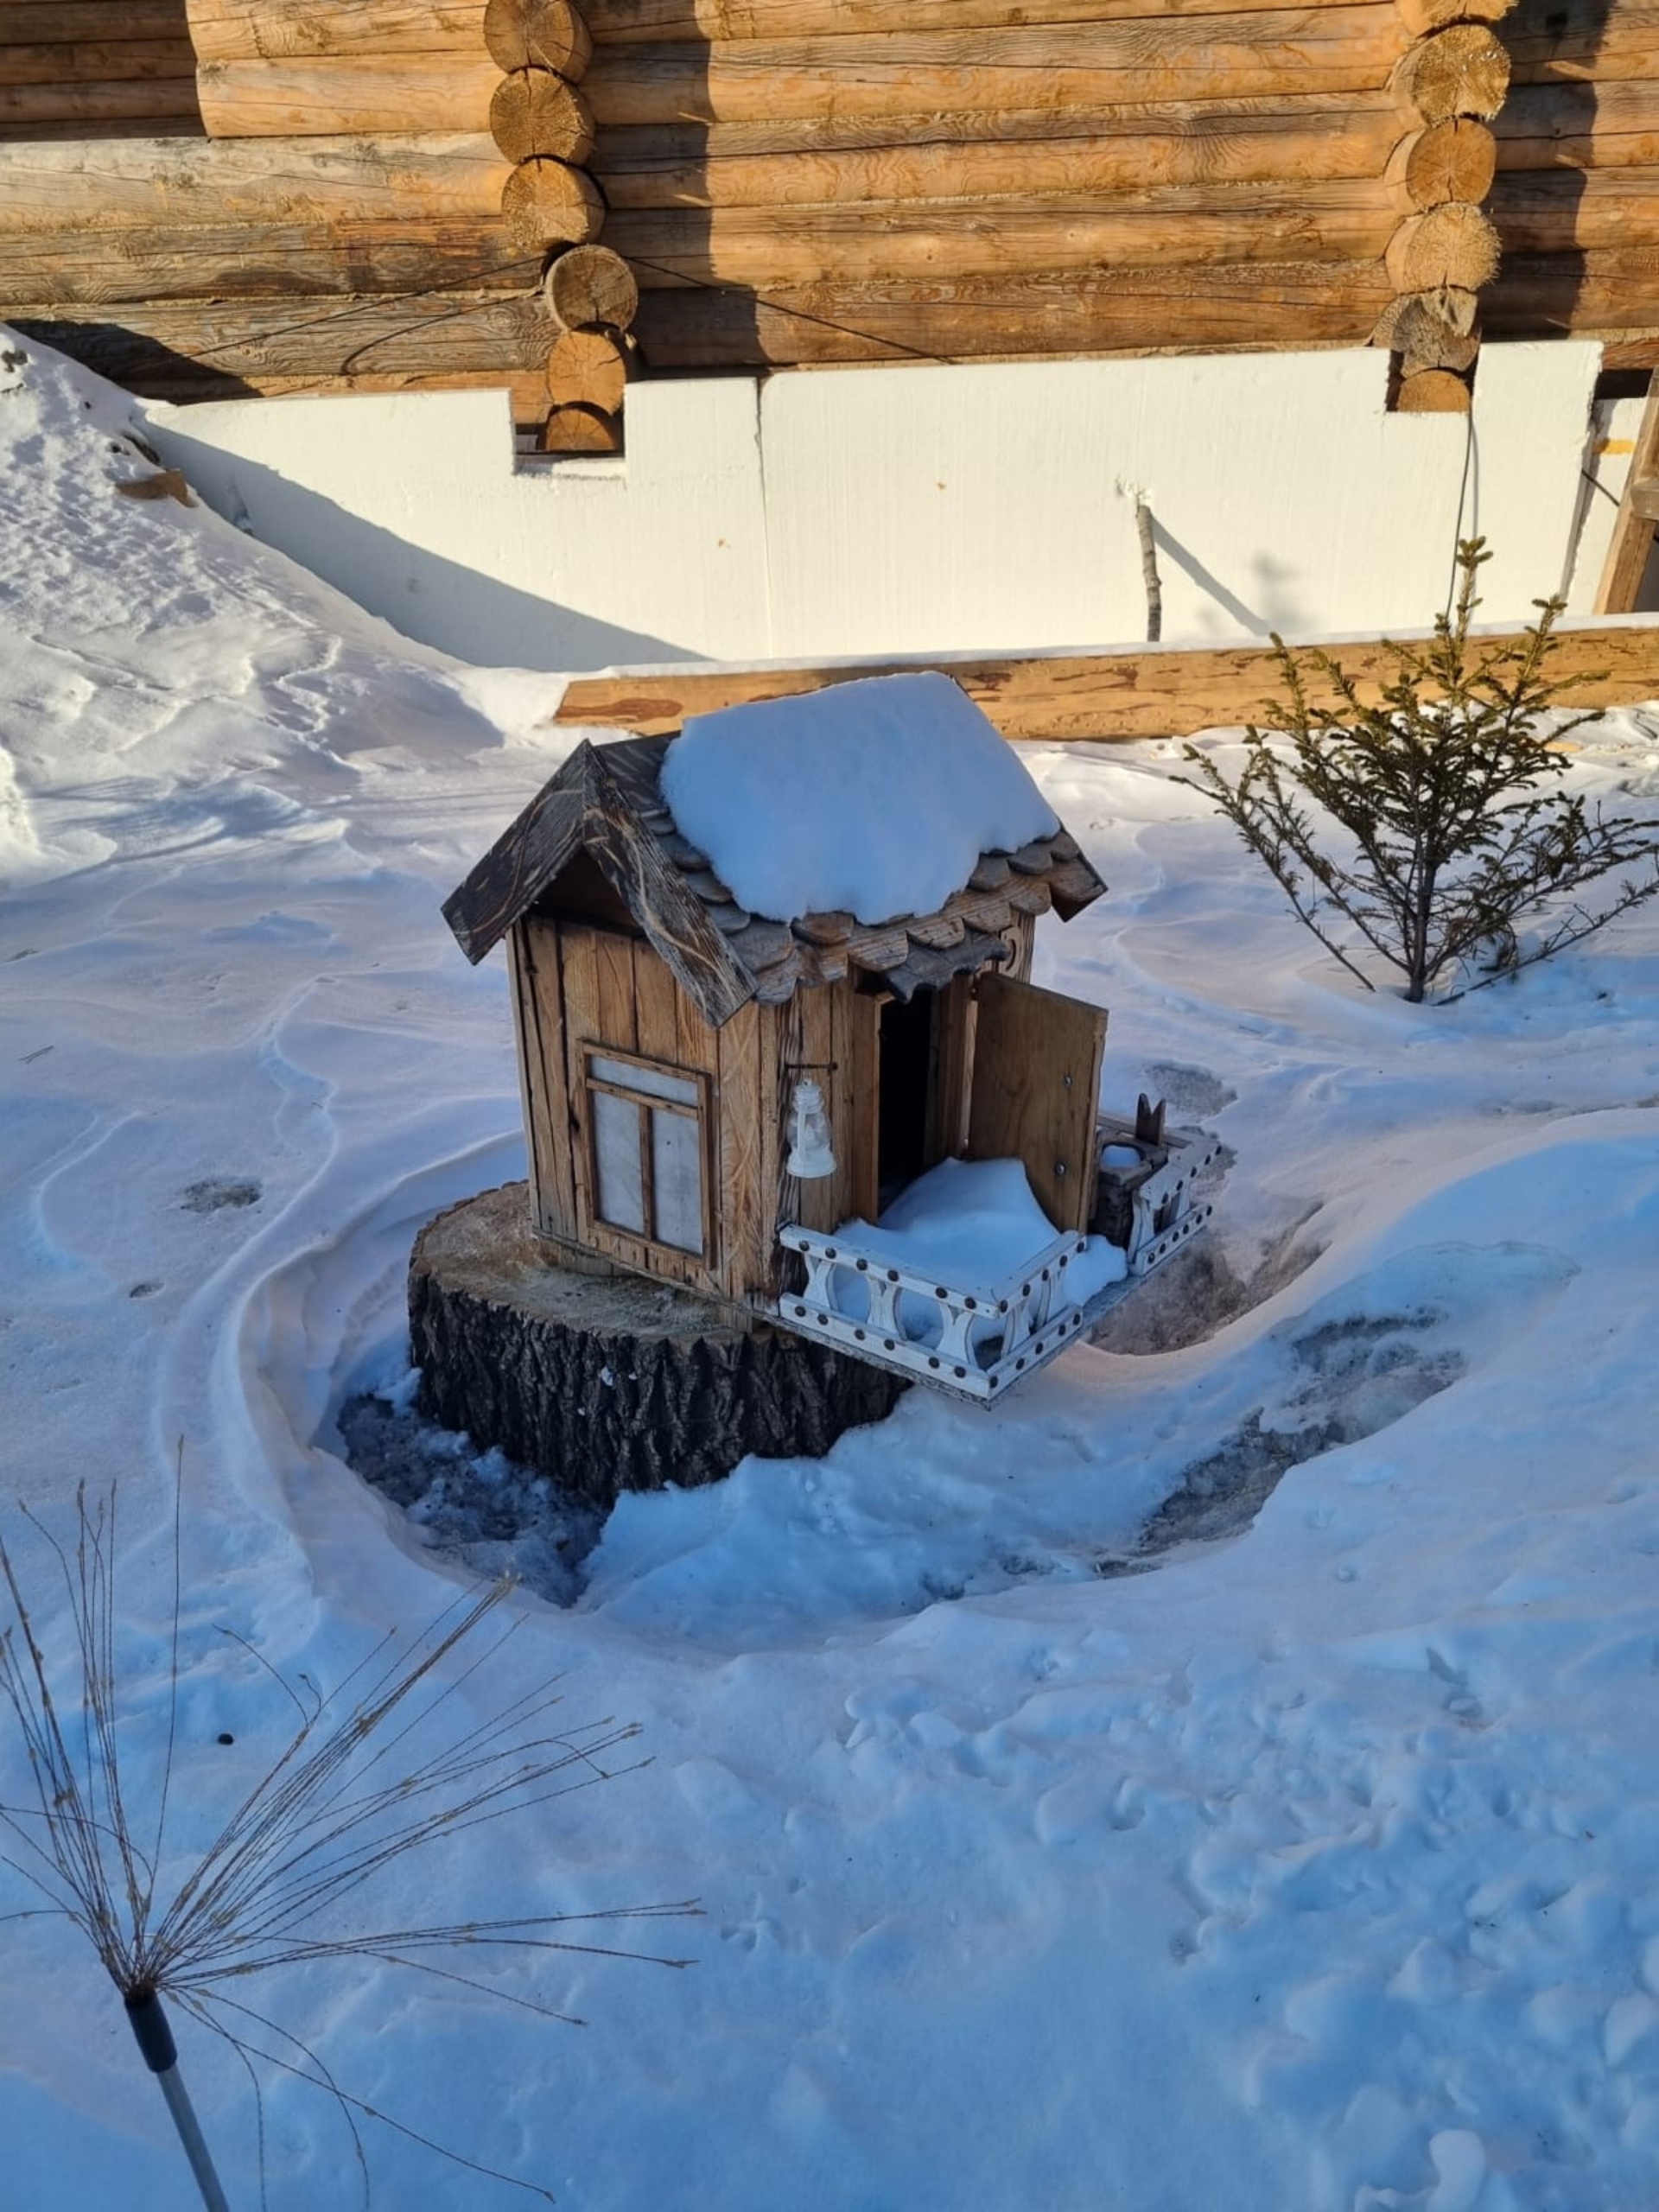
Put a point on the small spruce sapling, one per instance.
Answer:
(1449, 843)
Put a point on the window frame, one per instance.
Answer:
(646, 1104)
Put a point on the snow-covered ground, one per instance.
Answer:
(1313, 1865)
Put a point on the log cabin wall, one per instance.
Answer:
(86, 69)
(800, 182)
(1578, 179)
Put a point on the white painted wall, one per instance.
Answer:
(968, 508)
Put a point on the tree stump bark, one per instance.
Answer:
(611, 1383)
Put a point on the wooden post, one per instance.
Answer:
(1631, 544)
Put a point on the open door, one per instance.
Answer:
(1036, 1085)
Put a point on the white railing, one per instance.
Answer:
(973, 1342)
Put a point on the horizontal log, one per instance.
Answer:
(636, 23)
(1594, 294)
(1093, 697)
(71, 22)
(1611, 125)
(257, 30)
(1570, 211)
(1550, 45)
(1332, 49)
(180, 342)
(107, 62)
(1423, 17)
(773, 247)
(1241, 309)
(1632, 350)
(310, 265)
(155, 183)
(131, 98)
(109, 126)
(1244, 149)
(337, 98)
(1370, 117)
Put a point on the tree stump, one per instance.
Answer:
(611, 1383)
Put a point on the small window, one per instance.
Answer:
(647, 1125)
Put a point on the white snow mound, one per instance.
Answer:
(873, 797)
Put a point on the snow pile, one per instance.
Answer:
(873, 799)
(1067, 1837)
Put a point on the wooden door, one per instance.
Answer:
(1036, 1083)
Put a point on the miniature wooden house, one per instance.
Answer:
(668, 1033)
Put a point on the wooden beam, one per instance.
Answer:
(1239, 308)
(1208, 128)
(1585, 126)
(1574, 211)
(342, 97)
(73, 22)
(186, 124)
(262, 30)
(311, 266)
(1599, 293)
(105, 62)
(1102, 697)
(932, 73)
(172, 346)
(154, 100)
(1603, 45)
(159, 183)
(771, 248)
(1630, 546)
(638, 23)
(1291, 141)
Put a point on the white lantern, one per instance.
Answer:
(810, 1151)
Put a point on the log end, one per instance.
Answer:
(1434, 391)
(548, 203)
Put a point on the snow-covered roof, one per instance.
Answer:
(942, 831)
(874, 799)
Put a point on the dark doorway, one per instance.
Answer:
(906, 1094)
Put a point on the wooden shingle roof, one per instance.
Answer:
(606, 802)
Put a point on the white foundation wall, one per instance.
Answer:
(981, 508)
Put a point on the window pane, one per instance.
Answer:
(620, 1197)
(677, 1180)
(655, 1082)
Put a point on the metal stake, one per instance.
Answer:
(155, 2039)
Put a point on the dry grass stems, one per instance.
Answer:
(373, 1771)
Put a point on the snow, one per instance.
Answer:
(873, 799)
(971, 1225)
(1067, 1836)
